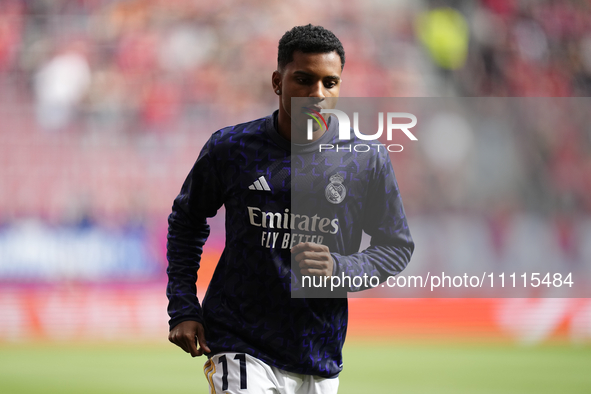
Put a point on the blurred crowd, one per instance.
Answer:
(108, 102)
(142, 64)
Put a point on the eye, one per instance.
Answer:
(330, 85)
(303, 81)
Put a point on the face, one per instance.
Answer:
(313, 75)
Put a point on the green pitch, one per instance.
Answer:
(370, 367)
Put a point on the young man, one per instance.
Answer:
(260, 339)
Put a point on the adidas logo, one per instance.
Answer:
(260, 184)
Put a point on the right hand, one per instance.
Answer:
(187, 335)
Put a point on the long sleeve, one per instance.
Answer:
(200, 198)
(384, 220)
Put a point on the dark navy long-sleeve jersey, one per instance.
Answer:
(278, 194)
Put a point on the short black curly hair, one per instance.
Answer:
(308, 39)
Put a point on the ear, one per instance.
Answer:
(276, 81)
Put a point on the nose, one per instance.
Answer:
(317, 90)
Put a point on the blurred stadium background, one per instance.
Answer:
(104, 106)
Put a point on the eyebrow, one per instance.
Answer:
(335, 77)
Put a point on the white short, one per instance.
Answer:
(235, 373)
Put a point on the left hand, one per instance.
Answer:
(314, 259)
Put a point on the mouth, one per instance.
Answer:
(312, 108)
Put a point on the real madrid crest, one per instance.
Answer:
(335, 191)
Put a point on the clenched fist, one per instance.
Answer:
(313, 259)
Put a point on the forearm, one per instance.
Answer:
(381, 261)
(186, 237)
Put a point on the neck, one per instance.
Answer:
(284, 124)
